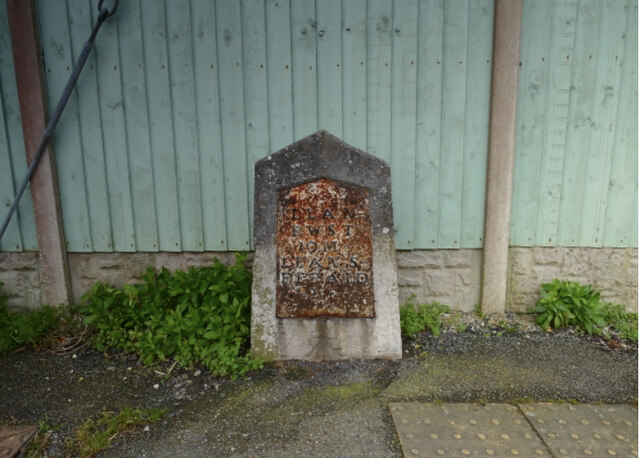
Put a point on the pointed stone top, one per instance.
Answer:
(320, 155)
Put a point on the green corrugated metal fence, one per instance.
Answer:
(576, 165)
(155, 151)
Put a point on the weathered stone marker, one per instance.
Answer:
(324, 273)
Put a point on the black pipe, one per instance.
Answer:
(103, 14)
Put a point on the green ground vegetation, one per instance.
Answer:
(95, 435)
(37, 446)
(416, 318)
(200, 316)
(24, 328)
(570, 304)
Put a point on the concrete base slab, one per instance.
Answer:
(541, 429)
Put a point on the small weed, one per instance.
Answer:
(461, 327)
(477, 308)
(506, 327)
(95, 435)
(39, 443)
(623, 322)
(416, 318)
(19, 329)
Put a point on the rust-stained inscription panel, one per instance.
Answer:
(324, 252)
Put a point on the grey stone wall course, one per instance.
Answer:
(612, 271)
(425, 273)
(20, 273)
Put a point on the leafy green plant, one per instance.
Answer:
(202, 315)
(568, 303)
(416, 318)
(623, 322)
(18, 329)
(95, 435)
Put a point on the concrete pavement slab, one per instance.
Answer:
(459, 430)
(507, 430)
(585, 429)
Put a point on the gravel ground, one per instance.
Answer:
(326, 409)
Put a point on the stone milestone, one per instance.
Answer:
(324, 273)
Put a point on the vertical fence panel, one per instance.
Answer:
(158, 92)
(453, 114)
(90, 134)
(112, 118)
(256, 94)
(12, 238)
(379, 52)
(185, 124)
(578, 130)
(428, 122)
(62, 54)
(137, 127)
(570, 155)
(606, 97)
(279, 73)
(20, 234)
(206, 69)
(620, 226)
(563, 21)
(476, 126)
(403, 118)
(329, 45)
(354, 58)
(304, 90)
(229, 41)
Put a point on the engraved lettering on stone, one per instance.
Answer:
(324, 251)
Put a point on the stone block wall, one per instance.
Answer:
(120, 268)
(20, 273)
(612, 271)
(452, 277)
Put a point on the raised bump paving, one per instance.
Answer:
(507, 430)
(586, 429)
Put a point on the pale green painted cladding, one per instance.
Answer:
(576, 164)
(179, 100)
(20, 234)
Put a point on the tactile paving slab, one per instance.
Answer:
(506, 430)
(585, 429)
(460, 430)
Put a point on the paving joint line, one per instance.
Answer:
(535, 430)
